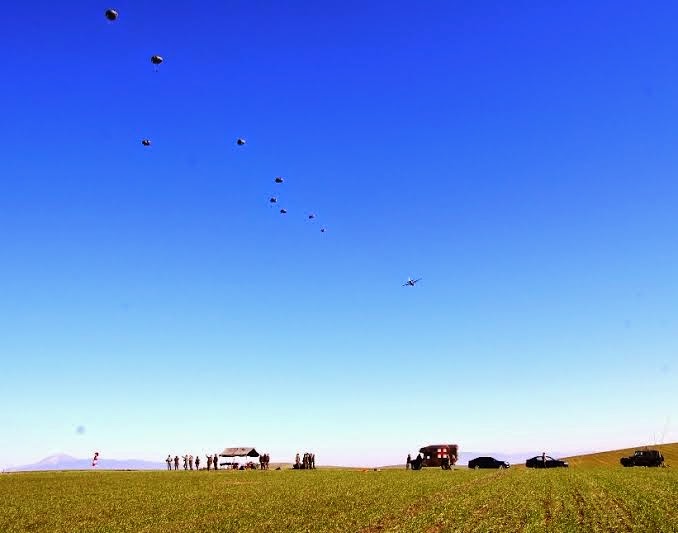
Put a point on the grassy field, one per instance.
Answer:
(669, 451)
(575, 499)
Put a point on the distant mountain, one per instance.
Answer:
(66, 462)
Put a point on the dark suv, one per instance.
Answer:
(644, 458)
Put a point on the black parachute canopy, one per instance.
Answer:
(156, 60)
(111, 14)
(241, 141)
(146, 142)
(278, 179)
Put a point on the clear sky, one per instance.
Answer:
(521, 159)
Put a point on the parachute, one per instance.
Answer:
(311, 216)
(111, 14)
(156, 60)
(273, 200)
(283, 211)
(279, 180)
(241, 141)
(322, 230)
(146, 142)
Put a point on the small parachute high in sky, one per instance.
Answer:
(111, 14)
(146, 142)
(322, 230)
(273, 200)
(278, 179)
(156, 60)
(311, 216)
(283, 211)
(241, 141)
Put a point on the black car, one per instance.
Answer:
(550, 462)
(487, 462)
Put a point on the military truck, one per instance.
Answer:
(437, 455)
(644, 458)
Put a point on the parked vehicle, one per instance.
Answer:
(545, 462)
(442, 455)
(487, 462)
(643, 458)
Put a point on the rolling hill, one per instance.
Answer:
(611, 458)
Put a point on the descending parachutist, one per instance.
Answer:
(111, 14)
(241, 141)
(156, 60)
(279, 180)
(146, 142)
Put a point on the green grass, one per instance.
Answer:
(611, 458)
(583, 499)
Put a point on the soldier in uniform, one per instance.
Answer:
(215, 461)
(296, 460)
(197, 462)
(176, 462)
(409, 462)
(190, 462)
(209, 462)
(169, 462)
(185, 462)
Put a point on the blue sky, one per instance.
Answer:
(521, 159)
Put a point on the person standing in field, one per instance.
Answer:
(176, 462)
(169, 462)
(190, 462)
(215, 461)
(408, 464)
(313, 461)
(296, 460)
(185, 462)
(197, 462)
(209, 462)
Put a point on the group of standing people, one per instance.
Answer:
(417, 461)
(307, 463)
(189, 461)
(264, 460)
